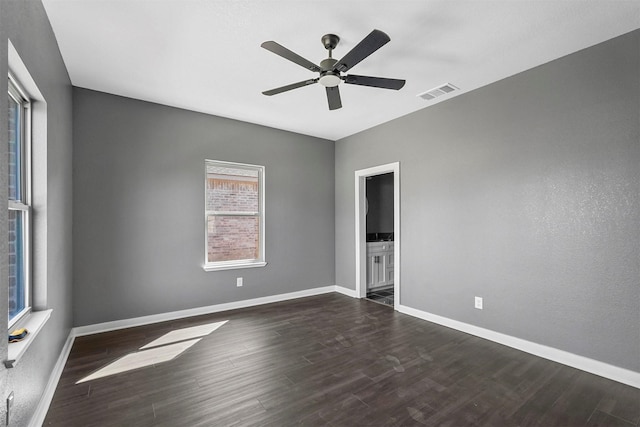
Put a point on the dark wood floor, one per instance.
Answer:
(331, 360)
(382, 296)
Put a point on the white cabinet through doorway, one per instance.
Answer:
(379, 264)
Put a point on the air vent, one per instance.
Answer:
(437, 91)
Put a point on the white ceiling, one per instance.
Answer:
(205, 55)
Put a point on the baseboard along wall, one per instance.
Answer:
(602, 369)
(586, 364)
(37, 419)
(180, 314)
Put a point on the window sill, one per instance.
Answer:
(34, 323)
(233, 266)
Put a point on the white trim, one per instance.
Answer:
(346, 291)
(596, 367)
(198, 311)
(605, 370)
(360, 241)
(233, 266)
(261, 261)
(37, 419)
(18, 206)
(23, 204)
(33, 322)
(47, 396)
(360, 228)
(19, 70)
(37, 174)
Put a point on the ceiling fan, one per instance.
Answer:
(331, 69)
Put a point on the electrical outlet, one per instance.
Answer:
(239, 281)
(9, 406)
(479, 303)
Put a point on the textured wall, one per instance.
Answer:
(525, 192)
(139, 201)
(25, 23)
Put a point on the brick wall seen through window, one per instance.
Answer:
(233, 205)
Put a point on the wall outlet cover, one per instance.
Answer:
(478, 303)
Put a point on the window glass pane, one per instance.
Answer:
(17, 291)
(232, 238)
(14, 149)
(232, 189)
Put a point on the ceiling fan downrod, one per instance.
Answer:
(330, 70)
(328, 76)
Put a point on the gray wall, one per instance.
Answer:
(27, 26)
(139, 208)
(525, 192)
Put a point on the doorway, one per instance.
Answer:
(378, 248)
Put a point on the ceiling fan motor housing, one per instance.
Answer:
(329, 77)
(331, 70)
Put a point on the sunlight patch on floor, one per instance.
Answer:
(141, 359)
(184, 334)
(166, 348)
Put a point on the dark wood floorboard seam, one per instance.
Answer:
(329, 360)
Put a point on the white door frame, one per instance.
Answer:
(361, 228)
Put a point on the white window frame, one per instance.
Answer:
(17, 92)
(244, 263)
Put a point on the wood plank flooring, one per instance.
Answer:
(382, 296)
(330, 360)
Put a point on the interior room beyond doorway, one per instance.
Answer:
(380, 238)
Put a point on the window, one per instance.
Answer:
(19, 193)
(234, 215)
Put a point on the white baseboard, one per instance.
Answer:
(596, 367)
(173, 315)
(45, 400)
(602, 369)
(346, 291)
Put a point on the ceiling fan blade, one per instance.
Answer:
(374, 41)
(333, 96)
(380, 82)
(289, 87)
(291, 56)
